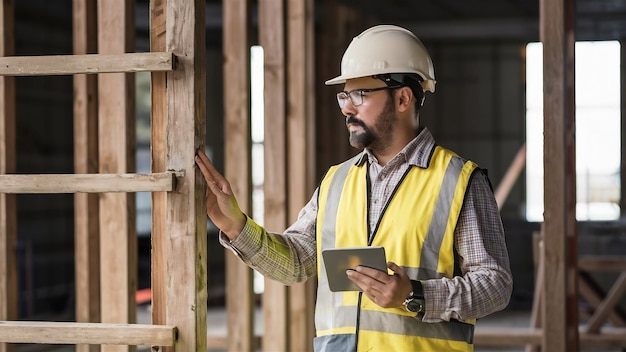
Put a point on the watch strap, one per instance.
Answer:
(418, 289)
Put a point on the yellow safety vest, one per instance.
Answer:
(417, 231)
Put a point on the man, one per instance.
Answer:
(432, 211)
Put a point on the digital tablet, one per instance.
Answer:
(338, 260)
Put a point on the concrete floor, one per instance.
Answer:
(216, 326)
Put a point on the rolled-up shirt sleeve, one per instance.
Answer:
(289, 257)
(486, 284)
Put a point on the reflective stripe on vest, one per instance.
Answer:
(423, 249)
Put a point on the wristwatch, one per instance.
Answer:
(414, 303)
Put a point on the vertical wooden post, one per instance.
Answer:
(8, 217)
(239, 278)
(272, 38)
(158, 148)
(300, 153)
(86, 207)
(116, 117)
(560, 325)
(186, 295)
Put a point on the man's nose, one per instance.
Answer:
(348, 108)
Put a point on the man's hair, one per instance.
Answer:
(411, 80)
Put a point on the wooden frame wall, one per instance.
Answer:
(181, 243)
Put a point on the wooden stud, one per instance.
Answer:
(237, 166)
(86, 206)
(272, 38)
(86, 333)
(88, 63)
(186, 296)
(560, 300)
(158, 126)
(88, 183)
(8, 217)
(118, 245)
(607, 338)
(300, 154)
(602, 263)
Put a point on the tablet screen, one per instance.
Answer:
(338, 260)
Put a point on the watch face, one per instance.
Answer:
(414, 305)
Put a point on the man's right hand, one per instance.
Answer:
(221, 205)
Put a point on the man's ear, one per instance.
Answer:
(404, 98)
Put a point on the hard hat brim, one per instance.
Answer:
(428, 85)
(336, 80)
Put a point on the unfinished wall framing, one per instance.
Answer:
(104, 138)
(102, 69)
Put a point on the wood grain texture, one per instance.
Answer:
(88, 183)
(560, 301)
(300, 154)
(116, 125)
(53, 65)
(186, 296)
(86, 206)
(275, 301)
(158, 82)
(237, 167)
(86, 333)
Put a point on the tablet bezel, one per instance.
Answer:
(338, 260)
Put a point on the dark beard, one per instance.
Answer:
(375, 140)
(363, 139)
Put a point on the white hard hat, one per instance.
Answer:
(386, 49)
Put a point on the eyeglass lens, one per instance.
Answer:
(355, 96)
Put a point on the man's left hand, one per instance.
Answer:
(388, 291)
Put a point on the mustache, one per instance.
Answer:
(354, 120)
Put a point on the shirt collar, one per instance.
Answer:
(416, 153)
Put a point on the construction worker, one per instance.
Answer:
(433, 212)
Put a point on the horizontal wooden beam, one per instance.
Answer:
(602, 263)
(493, 336)
(608, 337)
(88, 183)
(52, 65)
(86, 333)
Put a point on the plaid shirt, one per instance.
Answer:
(486, 284)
